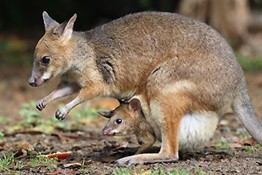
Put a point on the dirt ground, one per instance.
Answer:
(230, 152)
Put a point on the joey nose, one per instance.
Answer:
(32, 82)
(107, 130)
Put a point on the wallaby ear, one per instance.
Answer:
(48, 21)
(65, 30)
(106, 114)
(135, 105)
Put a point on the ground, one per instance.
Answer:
(28, 137)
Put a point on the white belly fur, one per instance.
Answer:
(196, 129)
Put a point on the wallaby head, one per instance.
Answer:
(124, 119)
(52, 51)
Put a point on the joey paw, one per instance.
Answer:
(40, 104)
(60, 114)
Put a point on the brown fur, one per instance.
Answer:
(174, 64)
(133, 122)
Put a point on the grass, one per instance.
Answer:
(41, 161)
(249, 149)
(32, 118)
(223, 145)
(250, 64)
(2, 135)
(9, 163)
(4, 120)
(6, 162)
(85, 113)
(159, 171)
(19, 165)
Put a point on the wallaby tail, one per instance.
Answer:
(245, 113)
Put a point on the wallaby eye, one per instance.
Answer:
(118, 121)
(46, 60)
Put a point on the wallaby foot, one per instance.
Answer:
(146, 158)
(61, 114)
(41, 104)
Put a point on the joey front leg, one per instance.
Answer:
(61, 91)
(146, 142)
(85, 93)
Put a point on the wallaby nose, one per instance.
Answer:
(32, 82)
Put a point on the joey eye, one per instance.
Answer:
(118, 121)
(46, 60)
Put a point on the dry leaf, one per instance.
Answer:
(235, 145)
(60, 155)
(72, 165)
(24, 145)
(248, 141)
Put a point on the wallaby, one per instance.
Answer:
(176, 66)
(128, 119)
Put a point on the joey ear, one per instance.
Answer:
(106, 114)
(65, 30)
(48, 21)
(135, 105)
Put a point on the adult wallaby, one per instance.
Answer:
(176, 66)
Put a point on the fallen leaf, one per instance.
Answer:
(248, 141)
(234, 145)
(60, 155)
(2, 145)
(72, 165)
(25, 145)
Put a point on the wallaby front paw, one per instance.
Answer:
(61, 114)
(40, 104)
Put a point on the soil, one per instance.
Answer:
(93, 153)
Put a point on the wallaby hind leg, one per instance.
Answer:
(245, 113)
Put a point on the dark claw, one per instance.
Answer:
(40, 106)
(59, 115)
